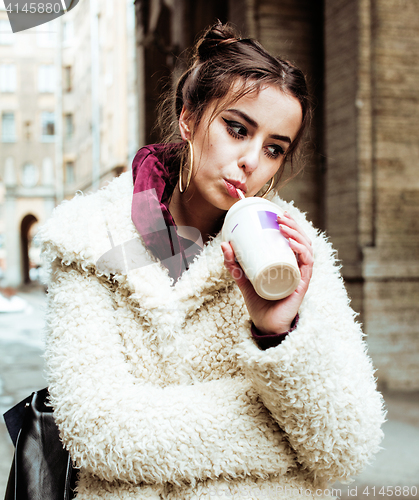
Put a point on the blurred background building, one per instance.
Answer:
(27, 151)
(74, 114)
(68, 119)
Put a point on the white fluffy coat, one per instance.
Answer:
(160, 392)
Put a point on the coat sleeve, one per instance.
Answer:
(120, 428)
(319, 382)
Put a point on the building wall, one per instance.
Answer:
(372, 137)
(101, 100)
(391, 265)
(341, 141)
(165, 30)
(28, 51)
(27, 102)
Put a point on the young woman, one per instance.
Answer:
(170, 377)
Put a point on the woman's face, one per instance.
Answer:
(243, 146)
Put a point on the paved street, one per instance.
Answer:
(398, 463)
(21, 372)
(21, 365)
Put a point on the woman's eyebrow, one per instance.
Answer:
(245, 117)
(254, 124)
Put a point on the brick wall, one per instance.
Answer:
(372, 150)
(340, 128)
(391, 265)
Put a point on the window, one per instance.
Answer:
(46, 34)
(9, 172)
(69, 126)
(47, 172)
(109, 7)
(48, 126)
(30, 175)
(46, 78)
(109, 68)
(6, 33)
(69, 172)
(68, 32)
(68, 78)
(8, 127)
(7, 78)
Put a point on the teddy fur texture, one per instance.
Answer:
(159, 390)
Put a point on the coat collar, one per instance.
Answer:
(96, 232)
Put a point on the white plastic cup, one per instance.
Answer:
(252, 228)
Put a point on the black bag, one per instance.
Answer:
(41, 468)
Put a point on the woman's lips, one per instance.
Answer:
(232, 191)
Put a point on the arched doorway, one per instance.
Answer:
(27, 232)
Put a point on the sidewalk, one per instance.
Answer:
(21, 364)
(21, 372)
(398, 463)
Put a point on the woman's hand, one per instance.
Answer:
(275, 316)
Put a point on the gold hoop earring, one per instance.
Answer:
(271, 185)
(181, 188)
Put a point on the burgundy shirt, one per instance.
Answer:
(153, 186)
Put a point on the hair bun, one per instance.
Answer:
(219, 35)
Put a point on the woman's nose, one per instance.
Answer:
(250, 159)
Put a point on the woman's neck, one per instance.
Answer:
(190, 210)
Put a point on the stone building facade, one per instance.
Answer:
(27, 148)
(98, 93)
(361, 182)
(372, 150)
(68, 111)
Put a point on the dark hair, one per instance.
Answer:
(219, 60)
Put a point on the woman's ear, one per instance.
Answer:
(185, 122)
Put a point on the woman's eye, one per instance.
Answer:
(274, 151)
(235, 129)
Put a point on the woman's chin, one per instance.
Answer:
(226, 203)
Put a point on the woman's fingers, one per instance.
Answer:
(232, 265)
(305, 255)
(287, 217)
(288, 232)
(292, 229)
(305, 260)
(300, 244)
